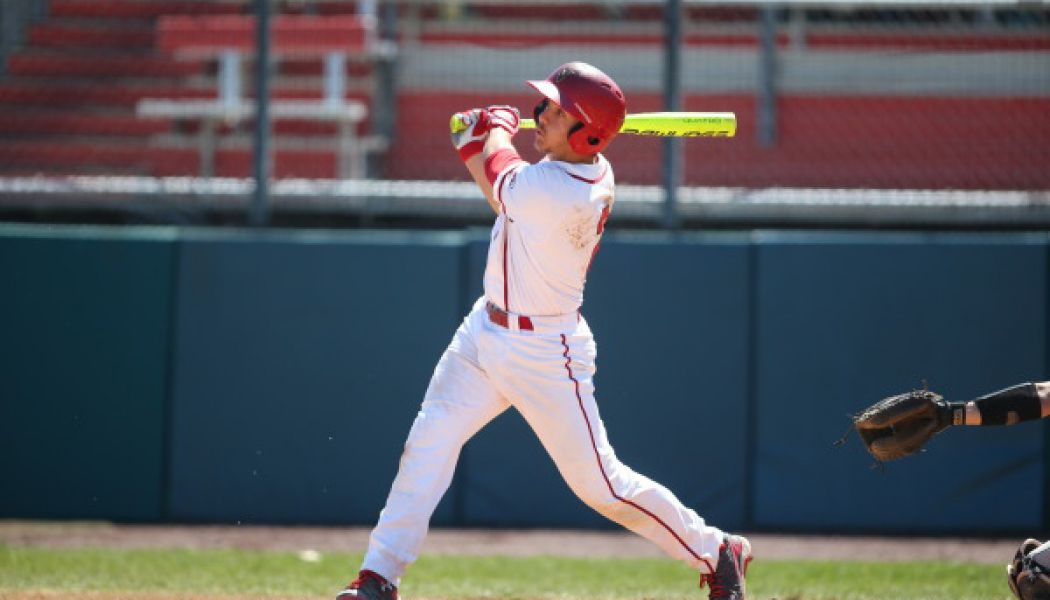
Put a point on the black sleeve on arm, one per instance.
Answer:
(1012, 405)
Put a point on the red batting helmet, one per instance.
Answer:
(592, 97)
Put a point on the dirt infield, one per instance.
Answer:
(490, 542)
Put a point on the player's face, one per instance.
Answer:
(552, 132)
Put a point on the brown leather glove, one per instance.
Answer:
(901, 425)
(1028, 579)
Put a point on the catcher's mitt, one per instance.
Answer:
(900, 425)
(1028, 578)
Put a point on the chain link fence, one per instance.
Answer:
(855, 113)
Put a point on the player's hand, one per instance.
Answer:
(469, 129)
(505, 117)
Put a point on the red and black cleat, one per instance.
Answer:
(369, 585)
(727, 581)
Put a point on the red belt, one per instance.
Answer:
(500, 317)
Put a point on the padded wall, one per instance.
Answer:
(84, 338)
(219, 376)
(844, 320)
(300, 363)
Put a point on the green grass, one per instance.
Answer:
(254, 573)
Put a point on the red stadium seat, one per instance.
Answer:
(138, 9)
(291, 34)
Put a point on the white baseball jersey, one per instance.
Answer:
(551, 221)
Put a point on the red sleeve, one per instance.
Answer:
(498, 161)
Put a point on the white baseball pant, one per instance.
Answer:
(547, 375)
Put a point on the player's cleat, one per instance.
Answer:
(369, 585)
(727, 582)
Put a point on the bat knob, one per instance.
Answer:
(458, 122)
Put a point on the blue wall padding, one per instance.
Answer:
(299, 367)
(272, 377)
(844, 321)
(84, 339)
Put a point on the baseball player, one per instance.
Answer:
(526, 345)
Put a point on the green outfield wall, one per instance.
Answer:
(161, 374)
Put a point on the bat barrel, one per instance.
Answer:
(673, 124)
(666, 124)
(681, 124)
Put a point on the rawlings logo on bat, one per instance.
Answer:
(668, 133)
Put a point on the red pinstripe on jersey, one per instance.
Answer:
(590, 181)
(500, 163)
(506, 279)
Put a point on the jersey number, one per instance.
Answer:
(602, 220)
(601, 230)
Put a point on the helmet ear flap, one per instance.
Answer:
(580, 141)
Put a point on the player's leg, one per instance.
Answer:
(550, 381)
(459, 401)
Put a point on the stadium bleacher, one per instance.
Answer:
(70, 94)
(866, 103)
(861, 102)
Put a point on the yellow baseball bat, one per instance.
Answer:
(660, 124)
(673, 124)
